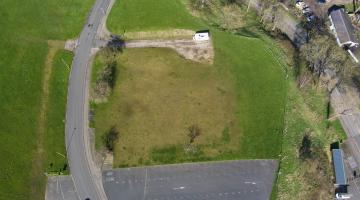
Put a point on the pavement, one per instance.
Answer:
(60, 188)
(230, 180)
(349, 116)
(85, 174)
(351, 166)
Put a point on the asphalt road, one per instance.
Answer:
(228, 180)
(87, 178)
(350, 121)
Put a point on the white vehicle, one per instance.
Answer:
(201, 36)
(340, 196)
(300, 5)
(306, 10)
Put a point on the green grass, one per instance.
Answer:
(306, 113)
(25, 28)
(260, 88)
(336, 125)
(259, 95)
(55, 126)
(150, 15)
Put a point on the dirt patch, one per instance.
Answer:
(37, 166)
(193, 50)
(171, 33)
(71, 45)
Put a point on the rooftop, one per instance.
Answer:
(343, 27)
(340, 177)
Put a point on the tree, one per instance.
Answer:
(110, 137)
(305, 148)
(194, 131)
(322, 53)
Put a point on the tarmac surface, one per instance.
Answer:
(228, 180)
(60, 188)
(85, 174)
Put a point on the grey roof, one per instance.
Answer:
(344, 29)
(340, 177)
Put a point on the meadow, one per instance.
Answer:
(150, 15)
(241, 96)
(26, 28)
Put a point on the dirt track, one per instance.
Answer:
(189, 49)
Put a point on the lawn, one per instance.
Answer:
(150, 15)
(26, 28)
(56, 161)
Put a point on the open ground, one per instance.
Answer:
(237, 102)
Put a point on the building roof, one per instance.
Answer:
(343, 27)
(340, 177)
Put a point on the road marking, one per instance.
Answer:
(179, 188)
(62, 194)
(145, 185)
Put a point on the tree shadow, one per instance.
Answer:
(116, 43)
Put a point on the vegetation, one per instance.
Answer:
(55, 155)
(26, 27)
(110, 138)
(263, 99)
(234, 102)
(305, 170)
(149, 15)
(322, 55)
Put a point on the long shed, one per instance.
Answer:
(339, 169)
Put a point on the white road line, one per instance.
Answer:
(61, 192)
(145, 184)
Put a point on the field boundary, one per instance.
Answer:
(37, 165)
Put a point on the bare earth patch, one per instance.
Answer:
(199, 51)
(171, 33)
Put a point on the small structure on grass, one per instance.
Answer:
(339, 170)
(203, 35)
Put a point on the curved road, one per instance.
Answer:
(86, 176)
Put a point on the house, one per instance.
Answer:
(342, 27)
(339, 169)
(202, 35)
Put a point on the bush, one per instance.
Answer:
(305, 149)
(109, 138)
(105, 81)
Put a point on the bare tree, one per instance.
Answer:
(194, 131)
(322, 53)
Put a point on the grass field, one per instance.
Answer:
(55, 161)
(150, 15)
(26, 26)
(238, 103)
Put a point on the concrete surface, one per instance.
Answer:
(60, 188)
(230, 180)
(349, 116)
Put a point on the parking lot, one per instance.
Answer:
(230, 180)
(60, 188)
